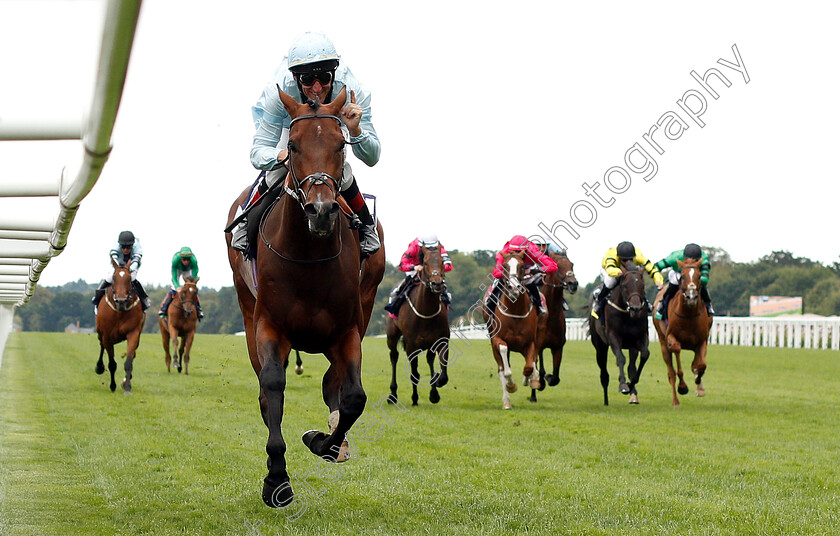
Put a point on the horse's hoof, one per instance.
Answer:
(392, 399)
(441, 380)
(434, 397)
(525, 381)
(633, 399)
(179, 369)
(624, 389)
(507, 405)
(113, 387)
(100, 368)
(701, 392)
(278, 496)
(298, 370)
(537, 384)
(682, 389)
(552, 379)
(532, 399)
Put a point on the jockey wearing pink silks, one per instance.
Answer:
(534, 259)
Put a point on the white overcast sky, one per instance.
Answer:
(491, 115)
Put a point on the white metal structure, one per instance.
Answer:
(28, 243)
(779, 332)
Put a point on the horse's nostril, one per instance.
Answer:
(335, 208)
(310, 210)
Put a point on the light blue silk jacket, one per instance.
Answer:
(270, 118)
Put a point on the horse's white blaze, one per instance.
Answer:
(691, 273)
(121, 273)
(513, 269)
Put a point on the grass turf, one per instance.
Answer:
(184, 455)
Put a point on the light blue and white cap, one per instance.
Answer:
(311, 47)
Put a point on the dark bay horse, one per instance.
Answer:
(512, 327)
(121, 318)
(551, 329)
(624, 326)
(309, 289)
(687, 328)
(180, 322)
(423, 324)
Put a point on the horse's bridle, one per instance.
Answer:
(626, 300)
(111, 300)
(299, 194)
(313, 179)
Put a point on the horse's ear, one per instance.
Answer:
(196, 280)
(680, 263)
(114, 263)
(339, 101)
(289, 103)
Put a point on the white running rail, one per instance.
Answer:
(784, 332)
(28, 243)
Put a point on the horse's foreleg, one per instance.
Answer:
(346, 376)
(100, 366)
(442, 348)
(557, 355)
(413, 358)
(620, 362)
(672, 375)
(633, 375)
(530, 372)
(273, 352)
(500, 352)
(164, 333)
(393, 343)
(434, 396)
(186, 346)
(112, 365)
(132, 342)
(173, 338)
(698, 366)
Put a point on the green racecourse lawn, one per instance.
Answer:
(185, 454)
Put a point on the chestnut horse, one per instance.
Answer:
(623, 325)
(181, 321)
(423, 324)
(309, 289)
(687, 328)
(551, 328)
(513, 326)
(120, 319)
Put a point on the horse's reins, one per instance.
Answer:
(113, 305)
(297, 192)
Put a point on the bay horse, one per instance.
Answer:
(512, 326)
(686, 327)
(121, 319)
(551, 328)
(181, 322)
(309, 289)
(422, 324)
(623, 325)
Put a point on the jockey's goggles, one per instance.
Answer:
(308, 79)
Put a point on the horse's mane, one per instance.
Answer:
(631, 266)
(314, 104)
(189, 279)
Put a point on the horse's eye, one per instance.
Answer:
(293, 147)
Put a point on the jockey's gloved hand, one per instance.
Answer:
(133, 275)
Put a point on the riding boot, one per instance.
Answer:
(446, 296)
(166, 301)
(662, 310)
(239, 234)
(198, 310)
(534, 291)
(494, 297)
(600, 294)
(98, 294)
(145, 302)
(704, 294)
(368, 237)
(394, 306)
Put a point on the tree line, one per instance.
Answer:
(731, 284)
